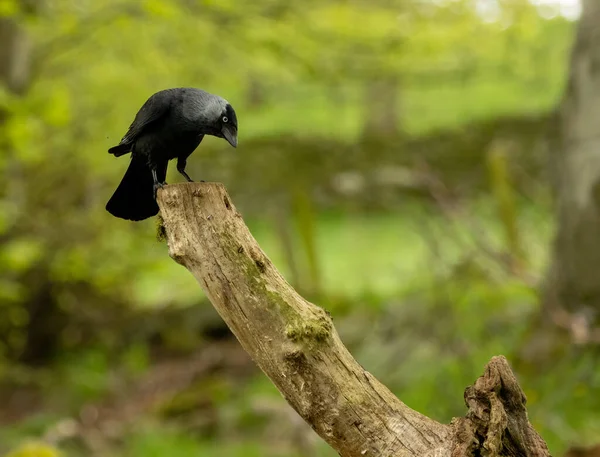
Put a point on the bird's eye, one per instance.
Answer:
(225, 119)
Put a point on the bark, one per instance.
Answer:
(296, 345)
(572, 288)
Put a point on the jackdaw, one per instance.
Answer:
(171, 124)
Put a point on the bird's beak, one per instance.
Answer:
(230, 134)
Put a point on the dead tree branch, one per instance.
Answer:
(296, 346)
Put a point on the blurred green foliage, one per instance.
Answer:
(340, 104)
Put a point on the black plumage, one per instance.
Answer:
(171, 124)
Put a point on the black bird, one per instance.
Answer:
(171, 124)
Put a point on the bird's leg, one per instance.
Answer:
(157, 185)
(181, 163)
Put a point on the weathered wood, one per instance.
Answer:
(497, 422)
(296, 345)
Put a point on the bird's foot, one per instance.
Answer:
(185, 175)
(158, 185)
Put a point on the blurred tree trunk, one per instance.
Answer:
(281, 217)
(255, 93)
(15, 77)
(45, 319)
(15, 56)
(306, 223)
(571, 293)
(381, 108)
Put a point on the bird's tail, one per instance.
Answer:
(134, 198)
(120, 149)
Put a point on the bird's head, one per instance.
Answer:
(216, 116)
(227, 125)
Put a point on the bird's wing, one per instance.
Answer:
(155, 108)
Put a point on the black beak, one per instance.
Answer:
(230, 134)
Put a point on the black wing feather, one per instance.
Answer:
(154, 109)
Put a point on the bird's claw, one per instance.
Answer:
(185, 175)
(158, 185)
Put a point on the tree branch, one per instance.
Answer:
(296, 346)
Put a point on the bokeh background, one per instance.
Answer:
(392, 161)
